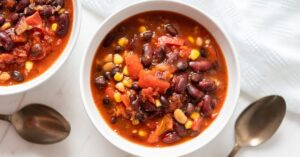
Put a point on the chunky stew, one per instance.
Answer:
(159, 78)
(33, 34)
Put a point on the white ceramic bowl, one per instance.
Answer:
(233, 72)
(7, 90)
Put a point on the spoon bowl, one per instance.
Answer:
(258, 122)
(40, 124)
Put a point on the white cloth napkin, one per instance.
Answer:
(266, 35)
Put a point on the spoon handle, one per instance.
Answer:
(235, 149)
(4, 117)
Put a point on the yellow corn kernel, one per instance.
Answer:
(134, 131)
(123, 41)
(4, 76)
(117, 97)
(6, 25)
(127, 82)
(125, 71)
(120, 87)
(191, 39)
(199, 41)
(195, 115)
(157, 103)
(118, 59)
(135, 122)
(188, 124)
(142, 133)
(194, 54)
(28, 66)
(142, 29)
(118, 76)
(54, 27)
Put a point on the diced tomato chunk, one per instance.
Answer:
(197, 124)
(34, 20)
(134, 65)
(110, 92)
(126, 101)
(165, 40)
(147, 79)
(164, 125)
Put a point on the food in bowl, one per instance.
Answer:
(33, 34)
(159, 78)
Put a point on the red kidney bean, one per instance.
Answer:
(17, 76)
(48, 11)
(206, 109)
(195, 77)
(36, 50)
(172, 57)
(14, 17)
(170, 137)
(29, 11)
(171, 29)
(147, 55)
(180, 83)
(6, 41)
(2, 20)
(200, 66)
(100, 82)
(159, 55)
(180, 129)
(21, 5)
(207, 85)
(147, 35)
(194, 92)
(63, 25)
(189, 108)
(40, 2)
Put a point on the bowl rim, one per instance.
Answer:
(57, 64)
(141, 150)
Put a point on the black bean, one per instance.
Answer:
(119, 49)
(164, 101)
(6, 41)
(110, 37)
(100, 82)
(36, 50)
(48, 11)
(135, 86)
(147, 55)
(207, 85)
(21, 5)
(171, 29)
(14, 17)
(132, 97)
(170, 137)
(115, 70)
(180, 83)
(180, 129)
(206, 109)
(2, 20)
(107, 75)
(140, 116)
(194, 92)
(17, 76)
(106, 101)
(200, 66)
(203, 52)
(190, 108)
(58, 3)
(159, 55)
(136, 104)
(113, 120)
(195, 77)
(63, 25)
(182, 65)
(147, 35)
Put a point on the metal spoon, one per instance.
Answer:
(258, 122)
(40, 124)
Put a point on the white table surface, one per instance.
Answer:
(62, 93)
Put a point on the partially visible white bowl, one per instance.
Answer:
(233, 81)
(7, 90)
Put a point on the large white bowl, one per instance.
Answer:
(7, 90)
(233, 81)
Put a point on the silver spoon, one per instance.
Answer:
(40, 124)
(258, 122)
